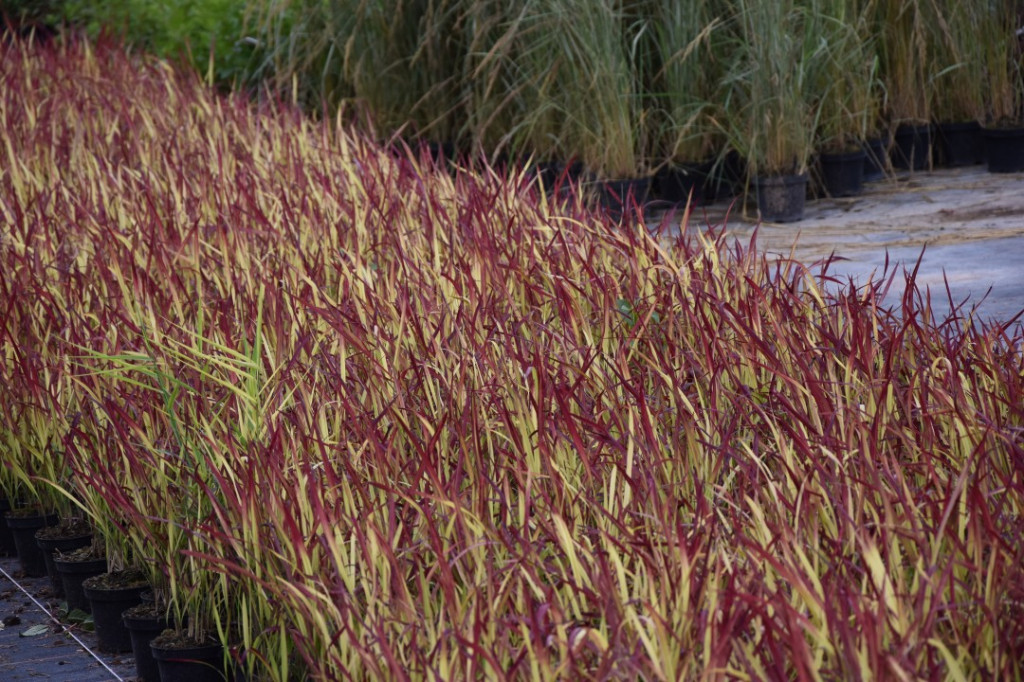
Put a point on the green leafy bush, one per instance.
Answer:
(185, 28)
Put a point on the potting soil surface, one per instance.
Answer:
(62, 652)
(966, 225)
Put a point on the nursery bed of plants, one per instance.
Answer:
(360, 419)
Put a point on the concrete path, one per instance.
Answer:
(967, 222)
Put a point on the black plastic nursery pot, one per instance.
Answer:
(913, 147)
(781, 198)
(73, 574)
(686, 183)
(143, 626)
(440, 152)
(622, 196)
(729, 176)
(557, 175)
(23, 529)
(443, 155)
(843, 174)
(960, 144)
(49, 545)
(203, 663)
(108, 603)
(1004, 148)
(875, 158)
(7, 546)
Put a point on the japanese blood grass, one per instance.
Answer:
(35, 418)
(407, 425)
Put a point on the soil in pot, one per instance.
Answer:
(781, 198)
(110, 595)
(23, 527)
(64, 537)
(843, 173)
(960, 144)
(181, 659)
(74, 568)
(144, 623)
(1005, 149)
(913, 148)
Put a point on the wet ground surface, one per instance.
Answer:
(61, 653)
(966, 225)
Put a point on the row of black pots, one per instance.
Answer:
(35, 544)
(959, 144)
(702, 183)
(119, 627)
(782, 198)
(23, 530)
(779, 198)
(53, 546)
(125, 622)
(617, 197)
(843, 174)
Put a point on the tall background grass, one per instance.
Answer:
(623, 86)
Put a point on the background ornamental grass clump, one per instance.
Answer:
(364, 420)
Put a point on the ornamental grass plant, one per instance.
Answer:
(577, 60)
(960, 58)
(906, 56)
(848, 88)
(1004, 66)
(772, 85)
(688, 63)
(513, 82)
(379, 422)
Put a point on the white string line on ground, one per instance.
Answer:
(62, 626)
